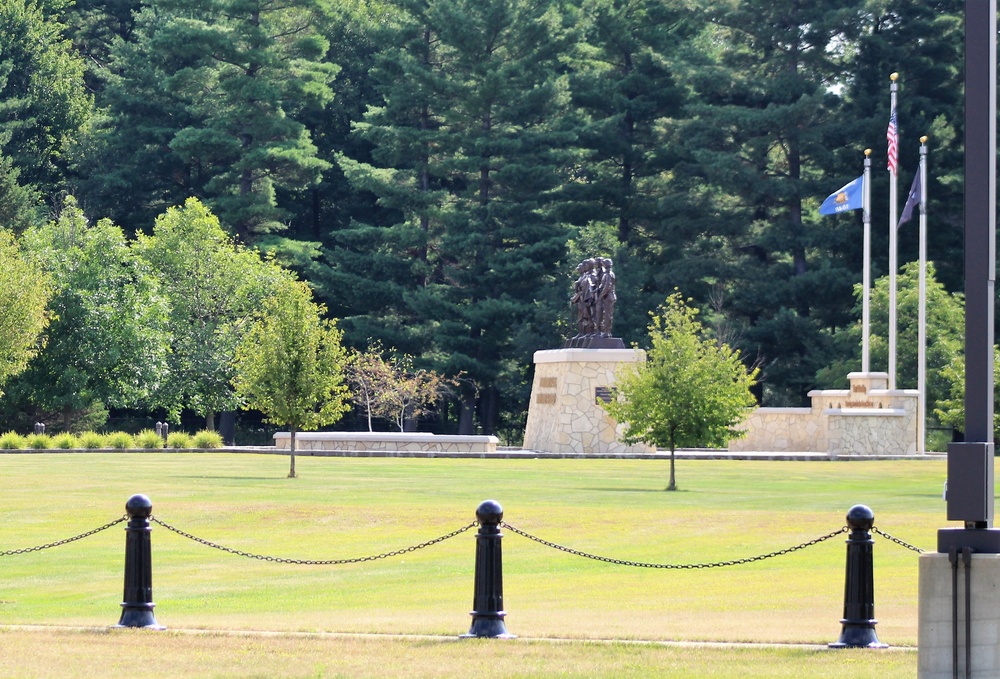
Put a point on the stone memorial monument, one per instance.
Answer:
(565, 415)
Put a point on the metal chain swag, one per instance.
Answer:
(673, 566)
(39, 548)
(897, 540)
(311, 562)
(429, 543)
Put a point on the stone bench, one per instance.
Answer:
(378, 441)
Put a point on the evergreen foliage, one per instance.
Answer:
(468, 153)
(43, 103)
(493, 144)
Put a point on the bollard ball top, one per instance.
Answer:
(860, 518)
(489, 511)
(139, 505)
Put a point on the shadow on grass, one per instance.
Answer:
(634, 490)
(234, 478)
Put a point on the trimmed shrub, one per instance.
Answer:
(39, 441)
(179, 439)
(147, 438)
(13, 441)
(91, 440)
(65, 441)
(118, 439)
(207, 439)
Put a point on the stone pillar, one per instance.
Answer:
(935, 634)
(564, 415)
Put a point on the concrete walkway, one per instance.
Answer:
(263, 634)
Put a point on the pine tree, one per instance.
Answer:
(758, 141)
(240, 74)
(624, 83)
(43, 103)
(467, 151)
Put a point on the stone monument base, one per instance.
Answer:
(564, 415)
(867, 419)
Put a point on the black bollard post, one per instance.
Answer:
(859, 585)
(137, 607)
(165, 432)
(487, 603)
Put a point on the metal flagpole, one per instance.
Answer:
(922, 313)
(867, 268)
(893, 152)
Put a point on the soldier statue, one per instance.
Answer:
(605, 298)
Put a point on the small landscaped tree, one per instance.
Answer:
(692, 391)
(290, 364)
(390, 388)
(369, 373)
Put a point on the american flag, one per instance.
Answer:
(892, 136)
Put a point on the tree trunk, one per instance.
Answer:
(291, 457)
(210, 420)
(673, 478)
(227, 427)
(466, 415)
(490, 410)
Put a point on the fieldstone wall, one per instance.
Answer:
(358, 440)
(867, 419)
(564, 415)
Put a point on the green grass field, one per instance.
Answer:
(352, 507)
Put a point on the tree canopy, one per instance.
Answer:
(24, 294)
(431, 168)
(692, 391)
(213, 287)
(290, 363)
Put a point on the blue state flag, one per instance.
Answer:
(849, 197)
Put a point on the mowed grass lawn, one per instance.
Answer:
(352, 507)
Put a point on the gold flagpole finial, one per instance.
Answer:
(893, 77)
(868, 152)
(923, 139)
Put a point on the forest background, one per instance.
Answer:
(435, 169)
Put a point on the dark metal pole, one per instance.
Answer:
(970, 463)
(137, 604)
(487, 603)
(859, 621)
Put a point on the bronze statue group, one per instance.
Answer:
(594, 296)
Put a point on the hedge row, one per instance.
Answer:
(146, 438)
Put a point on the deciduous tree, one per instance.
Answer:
(24, 294)
(213, 286)
(290, 364)
(692, 390)
(107, 342)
